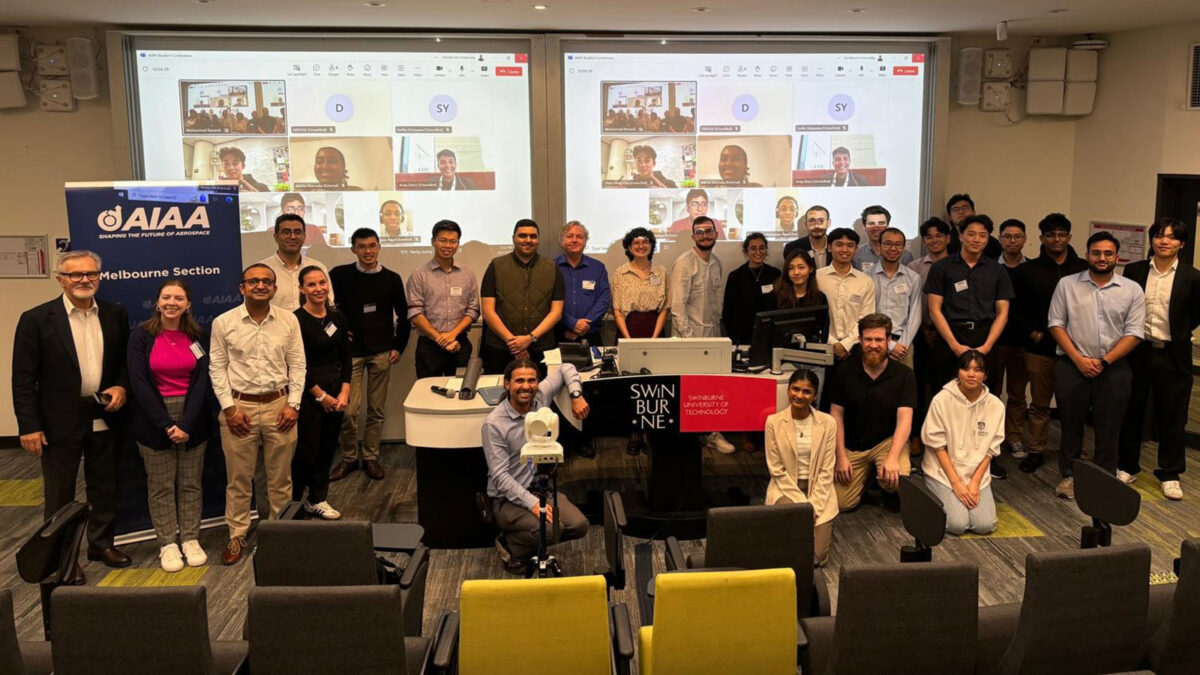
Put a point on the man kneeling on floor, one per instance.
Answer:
(516, 508)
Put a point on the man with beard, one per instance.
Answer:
(1097, 318)
(521, 297)
(872, 401)
(816, 219)
(696, 289)
(1033, 284)
(68, 382)
(518, 512)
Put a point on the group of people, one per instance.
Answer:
(672, 121)
(923, 348)
(226, 121)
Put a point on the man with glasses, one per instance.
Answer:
(1008, 372)
(969, 296)
(1033, 284)
(521, 298)
(897, 296)
(373, 300)
(960, 207)
(588, 295)
(697, 205)
(1097, 318)
(257, 367)
(68, 382)
(816, 219)
(287, 261)
(696, 291)
(935, 235)
(875, 220)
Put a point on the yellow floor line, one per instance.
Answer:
(23, 492)
(1010, 525)
(153, 578)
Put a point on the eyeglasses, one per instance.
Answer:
(962, 208)
(891, 244)
(704, 232)
(80, 276)
(258, 282)
(1012, 237)
(698, 203)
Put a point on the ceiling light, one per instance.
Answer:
(663, 42)
(437, 39)
(541, 7)
(202, 2)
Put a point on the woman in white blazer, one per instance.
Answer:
(800, 454)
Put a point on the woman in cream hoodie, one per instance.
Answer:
(800, 456)
(962, 433)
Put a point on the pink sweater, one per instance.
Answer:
(171, 362)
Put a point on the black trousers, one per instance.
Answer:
(317, 435)
(923, 370)
(945, 362)
(433, 361)
(1155, 374)
(60, 471)
(1105, 396)
(496, 359)
(594, 339)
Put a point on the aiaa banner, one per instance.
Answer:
(146, 233)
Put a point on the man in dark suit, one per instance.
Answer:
(816, 220)
(68, 383)
(1163, 361)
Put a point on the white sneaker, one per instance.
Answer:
(324, 511)
(717, 442)
(169, 558)
(1172, 490)
(194, 553)
(1126, 477)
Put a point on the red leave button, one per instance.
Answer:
(509, 71)
(905, 70)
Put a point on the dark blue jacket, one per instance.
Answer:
(148, 412)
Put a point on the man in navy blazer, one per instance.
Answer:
(68, 384)
(1162, 363)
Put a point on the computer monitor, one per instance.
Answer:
(676, 356)
(787, 329)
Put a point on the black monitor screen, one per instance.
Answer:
(787, 329)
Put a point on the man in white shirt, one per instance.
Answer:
(696, 288)
(257, 366)
(287, 261)
(849, 292)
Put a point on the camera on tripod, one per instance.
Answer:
(541, 439)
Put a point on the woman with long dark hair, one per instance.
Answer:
(797, 287)
(167, 357)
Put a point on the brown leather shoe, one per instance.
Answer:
(234, 551)
(109, 556)
(373, 469)
(342, 470)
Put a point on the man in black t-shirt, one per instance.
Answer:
(872, 400)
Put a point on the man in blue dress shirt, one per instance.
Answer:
(588, 294)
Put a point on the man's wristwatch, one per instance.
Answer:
(576, 394)
(1104, 363)
(294, 406)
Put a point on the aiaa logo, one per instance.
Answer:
(156, 219)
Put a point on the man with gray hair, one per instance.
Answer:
(588, 294)
(68, 382)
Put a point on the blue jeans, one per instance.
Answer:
(960, 519)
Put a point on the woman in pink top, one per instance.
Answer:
(171, 419)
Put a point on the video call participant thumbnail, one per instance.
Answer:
(733, 168)
(393, 221)
(842, 176)
(644, 160)
(233, 167)
(448, 178)
(329, 166)
(697, 205)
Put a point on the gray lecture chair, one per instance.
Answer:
(924, 517)
(897, 618)
(761, 537)
(19, 658)
(333, 629)
(50, 558)
(335, 553)
(1083, 613)
(615, 523)
(1175, 647)
(138, 631)
(1106, 499)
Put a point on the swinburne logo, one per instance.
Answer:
(157, 219)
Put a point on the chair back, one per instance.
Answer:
(722, 622)
(931, 614)
(1175, 648)
(131, 631)
(50, 554)
(922, 513)
(1103, 496)
(315, 553)
(10, 648)
(545, 625)
(614, 539)
(765, 537)
(1083, 612)
(345, 629)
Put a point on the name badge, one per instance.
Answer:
(589, 285)
(331, 329)
(655, 281)
(960, 286)
(868, 266)
(456, 291)
(369, 308)
(767, 288)
(856, 298)
(901, 288)
(197, 350)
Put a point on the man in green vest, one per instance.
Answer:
(521, 296)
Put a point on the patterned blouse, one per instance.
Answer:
(631, 293)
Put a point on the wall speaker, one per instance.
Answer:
(970, 69)
(85, 75)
